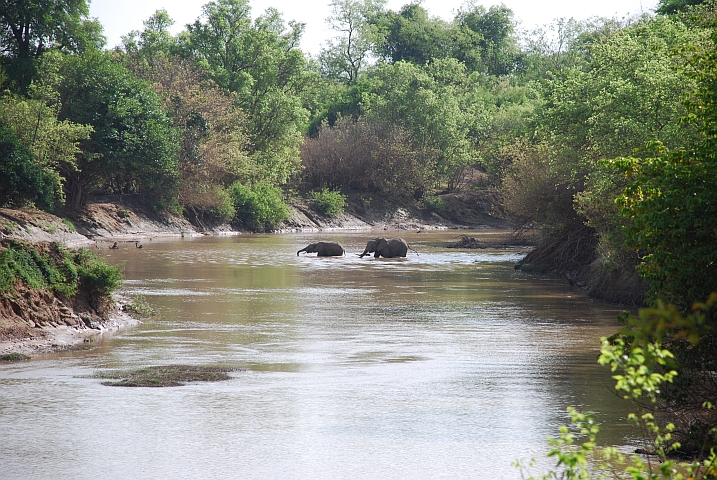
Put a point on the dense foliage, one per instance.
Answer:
(259, 207)
(21, 179)
(55, 268)
(328, 202)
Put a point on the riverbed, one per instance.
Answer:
(445, 364)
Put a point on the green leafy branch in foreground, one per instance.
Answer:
(646, 368)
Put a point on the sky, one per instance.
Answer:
(119, 17)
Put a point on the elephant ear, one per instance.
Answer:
(381, 243)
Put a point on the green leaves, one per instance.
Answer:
(55, 268)
(441, 107)
(260, 62)
(133, 146)
(21, 179)
(29, 28)
(260, 207)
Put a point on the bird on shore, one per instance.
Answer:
(114, 246)
(137, 245)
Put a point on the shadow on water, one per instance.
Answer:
(446, 363)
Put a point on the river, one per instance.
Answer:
(446, 364)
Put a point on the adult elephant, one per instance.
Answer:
(396, 247)
(323, 249)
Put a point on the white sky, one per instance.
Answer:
(119, 17)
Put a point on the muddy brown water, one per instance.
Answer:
(446, 364)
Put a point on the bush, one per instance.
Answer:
(368, 157)
(95, 276)
(57, 269)
(260, 208)
(329, 202)
(432, 203)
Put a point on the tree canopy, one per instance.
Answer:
(30, 28)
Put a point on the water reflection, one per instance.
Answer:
(445, 364)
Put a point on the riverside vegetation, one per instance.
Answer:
(598, 134)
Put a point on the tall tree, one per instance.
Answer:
(261, 63)
(133, 146)
(153, 44)
(29, 28)
(411, 35)
(492, 33)
(347, 54)
(442, 108)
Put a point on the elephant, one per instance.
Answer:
(323, 249)
(396, 247)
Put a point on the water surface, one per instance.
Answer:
(446, 364)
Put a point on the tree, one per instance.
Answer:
(345, 56)
(410, 35)
(439, 104)
(492, 33)
(152, 44)
(213, 141)
(671, 200)
(29, 28)
(261, 63)
(53, 144)
(369, 156)
(132, 148)
(669, 7)
(21, 180)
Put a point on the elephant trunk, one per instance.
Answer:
(302, 250)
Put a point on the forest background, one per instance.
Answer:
(600, 134)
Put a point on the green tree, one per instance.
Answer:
(54, 144)
(261, 63)
(440, 105)
(29, 28)
(669, 7)
(411, 35)
(151, 45)
(492, 33)
(133, 146)
(345, 56)
(21, 180)
(213, 145)
(627, 92)
(213, 141)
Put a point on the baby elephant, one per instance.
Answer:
(323, 249)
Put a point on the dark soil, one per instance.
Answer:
(574, 255)
(165, 376)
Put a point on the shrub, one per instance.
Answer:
(369, 157)
(57, 269)
(432, 203)
(222, 207)
(95, 276)
(329, 202)
(260, 207)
